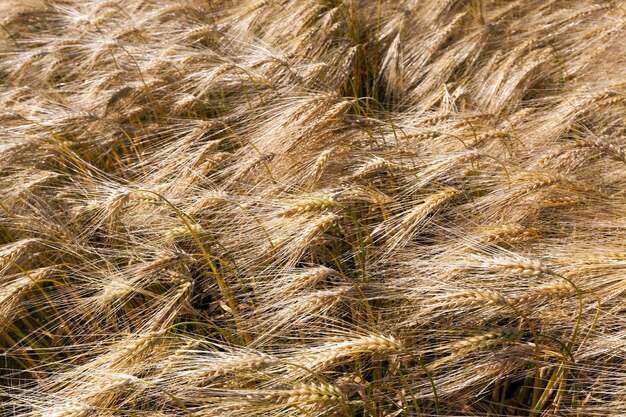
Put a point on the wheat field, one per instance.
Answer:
(364, 208)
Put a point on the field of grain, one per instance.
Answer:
(343, 208)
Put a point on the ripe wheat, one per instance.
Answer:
(312, 208)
